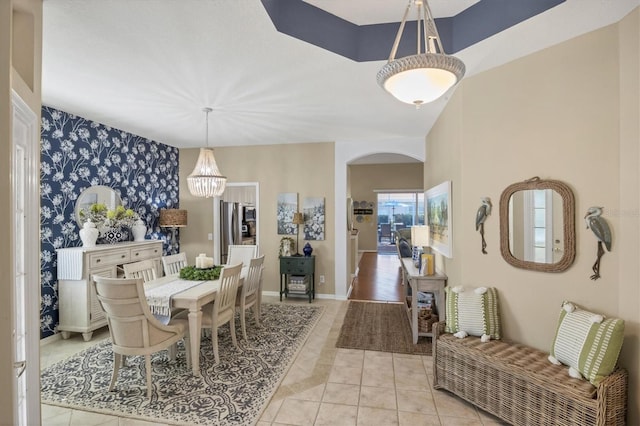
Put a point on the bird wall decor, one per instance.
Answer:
(481, 215)
(601, 230)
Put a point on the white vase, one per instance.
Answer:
(89, 234)
(139, 230)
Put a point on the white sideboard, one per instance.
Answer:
(78, 306)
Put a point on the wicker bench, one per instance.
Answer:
(520, 386)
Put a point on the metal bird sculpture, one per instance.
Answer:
(483, 211)
(601, 230)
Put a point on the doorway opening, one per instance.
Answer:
(397, 211)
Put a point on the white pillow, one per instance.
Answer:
(473, 312)
(588, 343)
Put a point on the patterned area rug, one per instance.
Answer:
(234, 392)
(381, 327)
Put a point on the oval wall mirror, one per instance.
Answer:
(96, 194)
(537, 225)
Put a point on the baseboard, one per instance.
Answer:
(50, 339)
(318, 295)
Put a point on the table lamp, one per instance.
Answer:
(298, 219)
(173, 218)
(420, 239)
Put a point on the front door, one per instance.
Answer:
(25, 266)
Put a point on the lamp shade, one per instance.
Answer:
(298, 219)
(420, 236)
(206, 180)
(420, 79)
(426, 76)
(173, 218)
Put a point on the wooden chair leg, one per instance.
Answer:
(173, 351)
(256, 313)
(243, 323)
(214, 342)
(232, 326)
(147, 364)
(117, 360)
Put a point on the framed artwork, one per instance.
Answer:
(439, 212)
(350, 207)
(287, 206)
(313, 209)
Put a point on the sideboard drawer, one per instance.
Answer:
(296, 265)
(109, 258)
(144, 254)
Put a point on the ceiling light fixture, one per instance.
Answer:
(424, 77)
(206, 180)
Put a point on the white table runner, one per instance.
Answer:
(159, 297)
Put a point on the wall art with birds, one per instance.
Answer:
(481, 216)
(601, 230)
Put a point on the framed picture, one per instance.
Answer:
(313, 208)
(439, 212)
(350, 207)
(287, 206)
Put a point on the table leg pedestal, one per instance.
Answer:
(195, 324)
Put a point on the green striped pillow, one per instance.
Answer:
(473, 312)
(587, 342)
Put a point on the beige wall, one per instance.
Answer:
(629, 234)
(20, 69)
(307, 169)
(366, 178)
(554, 114)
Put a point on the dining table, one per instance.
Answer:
(184, 294)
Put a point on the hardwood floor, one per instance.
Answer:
(379, 278)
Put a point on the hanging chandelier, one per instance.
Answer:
(424, 77)
(206, 180)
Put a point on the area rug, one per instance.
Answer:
(234, 392)
(380, 327)
(387, 249)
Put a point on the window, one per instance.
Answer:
(401, 209)
(538, 225)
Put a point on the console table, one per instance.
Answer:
(298, 265)
(429, 283)
(80, 310)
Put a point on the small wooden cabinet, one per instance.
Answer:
(79, 308)
(298, 266)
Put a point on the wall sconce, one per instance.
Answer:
(173, 218)
(298, 219)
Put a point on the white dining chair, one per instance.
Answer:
(173, 263)
(145, 269)
(133, 328)
(222, 310)
(241, 254)
(248, 295)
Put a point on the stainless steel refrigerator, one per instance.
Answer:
(230, 227)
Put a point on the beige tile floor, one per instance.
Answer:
(324, 386)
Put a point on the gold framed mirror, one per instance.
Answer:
(537, 225)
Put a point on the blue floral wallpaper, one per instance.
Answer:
(77, 153)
